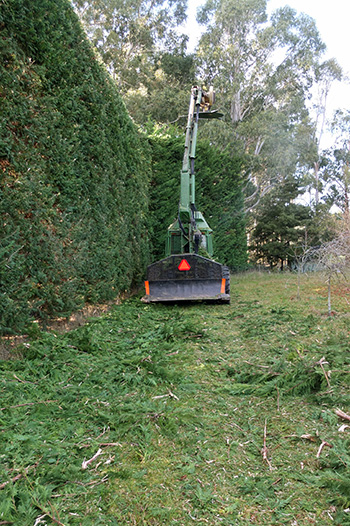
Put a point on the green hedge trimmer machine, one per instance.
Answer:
(184, 274)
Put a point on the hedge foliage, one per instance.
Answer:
(218, 196)
(73, 170)
(79, 216)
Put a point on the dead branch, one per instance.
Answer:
(276, 481)
(169, 394)
(236, 425)
(343, 427)
(38, 520)
(256, 365)
(305, 437)
(342, 415)
(14, 479)
(103, 444)
(97, 482)
(324, 443)
(20, 475)
(30, 403)
(172, 395)
(50, 515)
(85, 463)
(92, 482)
(321, 363)
(23, 382)
(308, 437)
(264, 450)
(103, 432)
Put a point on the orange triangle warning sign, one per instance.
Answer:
(184, 265)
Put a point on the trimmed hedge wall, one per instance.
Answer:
(73, 170)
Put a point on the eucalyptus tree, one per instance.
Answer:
(327, 73)
(263, 70)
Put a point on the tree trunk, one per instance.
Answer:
(236, 107)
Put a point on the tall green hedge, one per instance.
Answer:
(218, 196)
(73, 170)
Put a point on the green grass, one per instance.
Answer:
(177, 401)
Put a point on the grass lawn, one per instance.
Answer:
(196, 414)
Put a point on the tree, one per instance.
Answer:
(164, 95)
(126, 33)
(139, 42)
(302, 255)
(326, 74)
(280, 224)
(334, 260)
(263, 71)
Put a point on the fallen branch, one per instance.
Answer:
(276, 481)
(29, 403)
(169, 394)
(256, 365)
(91, 483)
(320, 363)
(172, 395)
(342, 415)
(23, 382)
(97, 482)
(17, 477)
(39, 520)
(51, 515)
(264, 450)
(343, 427)
(308, 437)
(85, 463)
(305, 437)
(324, 443)
(236, 425)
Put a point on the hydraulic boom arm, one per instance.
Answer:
(190, 231)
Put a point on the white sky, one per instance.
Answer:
(333, 22)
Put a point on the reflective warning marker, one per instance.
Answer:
(184, 265)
